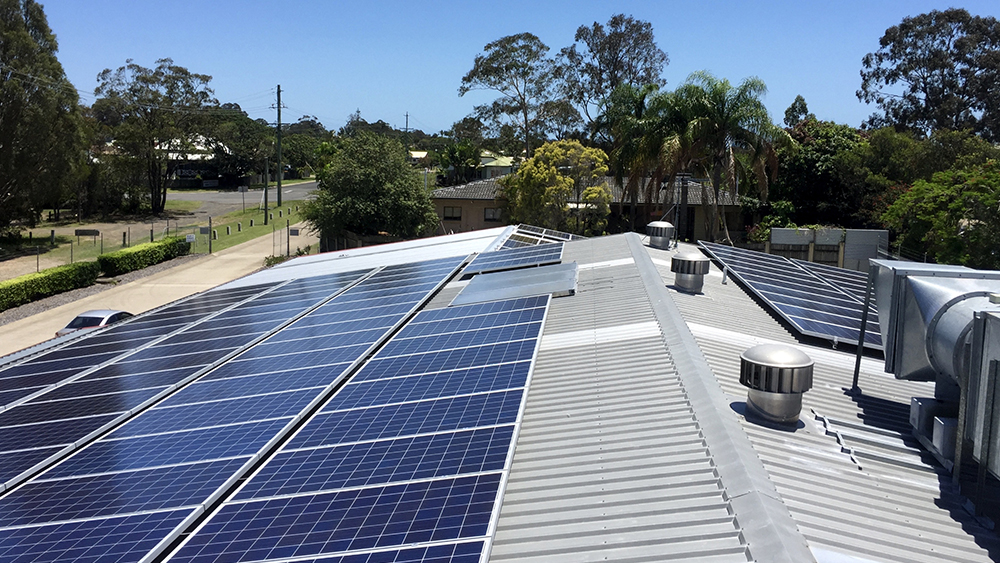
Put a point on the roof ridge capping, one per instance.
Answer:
(768, 527)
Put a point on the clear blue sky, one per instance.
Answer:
(392, 58)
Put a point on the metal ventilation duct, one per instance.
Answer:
(777, 376)
(689, 270)
(983, 407)
(660, 233)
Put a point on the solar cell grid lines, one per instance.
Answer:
(335, 426)
(374, 463)
(113, 493)
(435, 409)
(351, 520)
(816, 300)
(126, 538)
(515, 258)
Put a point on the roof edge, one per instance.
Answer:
(767, 525)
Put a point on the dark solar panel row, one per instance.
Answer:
(36, 374)
(190, 447)
(516, 258)
(816, 300)
(398, 456)
(67, 414)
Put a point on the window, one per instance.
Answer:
(452, 213)
(491, 214)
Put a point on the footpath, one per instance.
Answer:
(147, 293)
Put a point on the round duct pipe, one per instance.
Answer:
(689, 270)
(777, 376)
(660, 233)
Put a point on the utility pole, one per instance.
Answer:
(281, 169)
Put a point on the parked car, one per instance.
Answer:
(93, 319)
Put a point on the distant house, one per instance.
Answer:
(468, 207)
(494, 165)
(474, 206)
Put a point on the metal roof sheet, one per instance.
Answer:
(614, 461)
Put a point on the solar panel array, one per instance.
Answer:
(130, 492)
(529, 235)
(817, 300)
(405, 462)
(516, 258)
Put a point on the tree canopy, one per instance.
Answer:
(953, 216)
(367, 188)
(154, 113)
(541, 190)
(519, 68)
(41, 138)
(937, 70)
(603, 57)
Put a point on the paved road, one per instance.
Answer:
(147, 293)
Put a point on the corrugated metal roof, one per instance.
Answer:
(488, 189)
(612, 462)
(856, 482)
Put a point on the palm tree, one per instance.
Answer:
(731, 122)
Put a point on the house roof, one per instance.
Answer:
(630, 443)
(487, 190)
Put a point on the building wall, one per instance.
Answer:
(473, 214)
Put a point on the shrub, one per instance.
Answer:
(141, 256)
(32, 287)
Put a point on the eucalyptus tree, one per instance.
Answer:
(937, 70)
(519, 68)
(154, 113)
(623, 51)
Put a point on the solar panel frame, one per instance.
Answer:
(539, 255)
(794, 292)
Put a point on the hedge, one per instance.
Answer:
(142, 256)
(32, 287)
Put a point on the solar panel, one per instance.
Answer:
(126, 538)
(427, 422)
(515, 258)
(811, 305)
(160, 459)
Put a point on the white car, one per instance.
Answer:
(94, 319)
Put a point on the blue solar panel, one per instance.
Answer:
(37, 380)
(330, 340)
(506, 352)
(70, 408)
(243, 386)
(122, 539)
(165, 449)
(115, 493)
(406, 419)
(428, 343)
(812, 306)
(516, 258)
(7, 397)
(117, 384)
(14, 463)
(348, 520)
(420, 387)
(472, 323)
(215, 413)
(377, 463)
(50, 433)
(489, 308)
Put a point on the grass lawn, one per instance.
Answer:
(182, 206)
(288, 216)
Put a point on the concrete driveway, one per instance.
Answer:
(147, 293)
